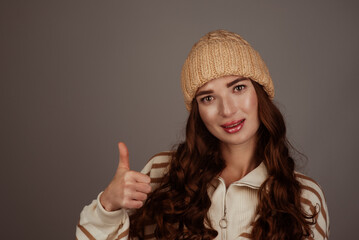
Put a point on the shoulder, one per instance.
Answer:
(158, 166)
(161, 157)
(313, 201)
(311, 190)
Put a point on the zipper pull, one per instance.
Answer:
(223, 221)
(223, 225)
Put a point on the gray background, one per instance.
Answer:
(79, 76)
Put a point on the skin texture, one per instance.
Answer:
(224, 101)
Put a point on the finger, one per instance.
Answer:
(124, 161)
(140, 177)
(133, 204)
(143, 187)
(138, 196)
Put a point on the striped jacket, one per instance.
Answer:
(232, 211)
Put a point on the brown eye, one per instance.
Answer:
(207, 99)
(239, 88)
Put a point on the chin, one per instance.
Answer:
(236, 140)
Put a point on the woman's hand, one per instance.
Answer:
(128, 189)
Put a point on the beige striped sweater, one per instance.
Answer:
(232, 211)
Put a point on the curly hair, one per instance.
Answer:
(280, 213)
(179, 206)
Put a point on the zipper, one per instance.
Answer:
(223, 223)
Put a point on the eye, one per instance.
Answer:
(207, 99)
(238, 88)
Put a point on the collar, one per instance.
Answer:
(253, 179)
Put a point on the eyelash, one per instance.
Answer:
(237, 88)
(205, 99)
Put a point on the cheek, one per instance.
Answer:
(207, 114)
(250, 105)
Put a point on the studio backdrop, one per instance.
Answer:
(78, 76)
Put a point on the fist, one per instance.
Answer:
(128, 189)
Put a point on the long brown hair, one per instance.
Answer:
(280, 213)
(179, 206)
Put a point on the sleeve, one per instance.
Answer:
(313, 200)
(98, 224)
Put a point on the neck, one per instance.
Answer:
(239, 160)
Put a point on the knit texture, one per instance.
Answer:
(222, 53)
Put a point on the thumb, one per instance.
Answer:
(124, 161)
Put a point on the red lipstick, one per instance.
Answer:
(234, 126)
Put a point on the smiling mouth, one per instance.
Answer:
(232, 124)
(233, 127)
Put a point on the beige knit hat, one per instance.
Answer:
(222, 53)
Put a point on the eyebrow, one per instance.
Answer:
(235, 81)
(204, 93)
(230, 84)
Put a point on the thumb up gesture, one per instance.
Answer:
(128, 189)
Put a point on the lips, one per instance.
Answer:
(234, 126)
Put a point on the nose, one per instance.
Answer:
(227, 107)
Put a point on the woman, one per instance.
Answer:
(233, 176)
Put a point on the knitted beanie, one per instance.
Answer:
(222, 53)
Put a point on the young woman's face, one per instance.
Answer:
(228, 106)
